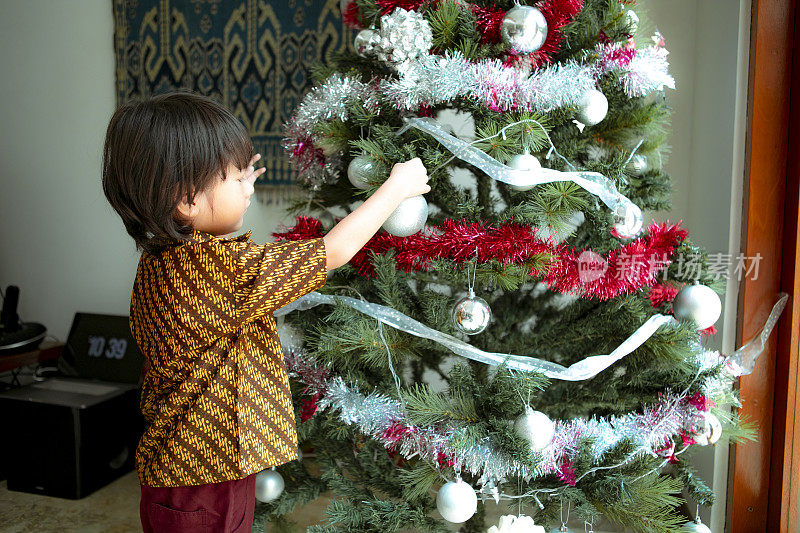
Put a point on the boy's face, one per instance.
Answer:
(220, 209)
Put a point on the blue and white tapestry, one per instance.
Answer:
(254, 56)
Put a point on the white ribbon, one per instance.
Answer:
(593, 182)
(586, 369)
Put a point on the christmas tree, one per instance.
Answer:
(517, 336)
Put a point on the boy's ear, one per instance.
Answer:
(186, 209)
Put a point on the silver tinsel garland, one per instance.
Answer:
(383, 419)
(433, 80)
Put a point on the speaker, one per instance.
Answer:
(70, 437)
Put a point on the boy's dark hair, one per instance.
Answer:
(160, 150)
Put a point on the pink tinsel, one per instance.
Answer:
(566, 473)
(309, 408)
(700, 402)
(396, 432)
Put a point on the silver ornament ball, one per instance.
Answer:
(269, 485)
(456, 501)
(637, 165)
(471, 314)
(524, 29)
(524, 162)
(536, 428)
(592, 108)
(628, 220)
(361, 170)
(707, 430)
(409, 217)
(695, 527)
(366, 41)
(699, 303)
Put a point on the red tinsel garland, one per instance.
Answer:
(625, 270)
(351, 16)
(390, 5)
(490, 21)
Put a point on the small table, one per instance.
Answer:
(47, 351)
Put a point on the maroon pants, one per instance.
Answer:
(225, 507)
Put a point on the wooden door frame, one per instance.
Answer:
(765, 474)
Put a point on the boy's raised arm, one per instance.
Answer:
(347, 237)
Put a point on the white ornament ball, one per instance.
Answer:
(536, 428)
(366, 42)
(456, 501)
(695, 527)
(699, 303)
(409, 217)
(593, 107)
(269, 485)
(524, 29)
(471, 314)
(707, 430)
(524, 162)
(516, 524)
(628, 220)
(637, 165)
(361, 170)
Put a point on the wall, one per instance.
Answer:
(68, 251)
(59, 240)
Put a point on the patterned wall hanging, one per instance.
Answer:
(254, 56)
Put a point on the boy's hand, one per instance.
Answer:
(409, 178)
(251, 174)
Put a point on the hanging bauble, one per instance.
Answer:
(456, 501)
(699, 303)
(524, 161)
(633, 21)
(695, 527)
(524, 29)
(409, 217)
(516, 524)
(536, 428)
(706, 429)
(366, 42)
(269, 485)
(637, 165)
(628, 220)
(361, 170)
(471, 314)
(592, 108)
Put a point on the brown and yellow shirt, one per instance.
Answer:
(216, 394)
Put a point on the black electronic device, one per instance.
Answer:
(102, 347)
(69, 436)
(16, 336)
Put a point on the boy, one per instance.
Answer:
(178, 169)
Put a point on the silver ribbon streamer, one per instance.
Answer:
(593, 182)
(585, 369)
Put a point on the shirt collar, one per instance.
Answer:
(201, 236)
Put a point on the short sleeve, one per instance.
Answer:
(269, 276)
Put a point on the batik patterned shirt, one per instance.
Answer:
(215, 395)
